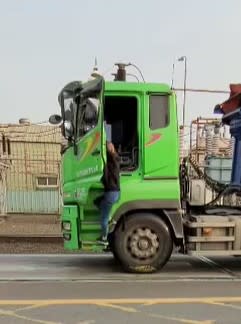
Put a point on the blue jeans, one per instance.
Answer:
(109, 198)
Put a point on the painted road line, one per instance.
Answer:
(170, 318)
(119, 307)
(13, 314)
(182, 320)
(119, 301)
(226, 305)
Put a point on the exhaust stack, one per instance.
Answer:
(121, 72)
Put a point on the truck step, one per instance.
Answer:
(90, 226)
(91, 215)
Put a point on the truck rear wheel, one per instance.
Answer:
(144, 245)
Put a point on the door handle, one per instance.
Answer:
(96, 152)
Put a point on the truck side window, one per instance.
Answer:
(158, 111)
(87, 117)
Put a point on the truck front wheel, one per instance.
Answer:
(144, 244)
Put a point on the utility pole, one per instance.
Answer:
(184, 59)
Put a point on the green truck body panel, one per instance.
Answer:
(152, 184)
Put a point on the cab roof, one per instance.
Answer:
(136, 87)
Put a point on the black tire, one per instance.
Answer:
(145, 244)
(111, 240)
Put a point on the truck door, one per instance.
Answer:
(90, 136)
(84, 160)
(160, 137)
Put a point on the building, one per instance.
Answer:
(30, 168)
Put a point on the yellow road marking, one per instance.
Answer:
(119, 304)
(183, 320)
(33, 306)
(226, 305)
(122, 308)
(25, 318)
(171, 318)
(120, 301)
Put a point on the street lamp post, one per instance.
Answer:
(184, 59)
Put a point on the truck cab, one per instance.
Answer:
(140, 119)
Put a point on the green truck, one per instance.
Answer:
(153, 214)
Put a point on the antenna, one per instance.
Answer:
(95, 73)
(173, 69)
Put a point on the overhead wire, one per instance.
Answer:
(201, 90)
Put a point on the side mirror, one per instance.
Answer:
(55, 119)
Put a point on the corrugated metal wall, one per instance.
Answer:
(34, 202)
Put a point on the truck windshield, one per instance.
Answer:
(79, 104)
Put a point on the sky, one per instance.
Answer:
(48, 43)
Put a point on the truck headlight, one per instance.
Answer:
(66, 226)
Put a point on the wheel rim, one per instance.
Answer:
(143, 243)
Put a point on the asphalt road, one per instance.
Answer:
(91, 289)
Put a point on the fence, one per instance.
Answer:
(30, 178)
